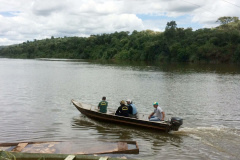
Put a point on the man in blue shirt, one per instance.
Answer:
(133, 114)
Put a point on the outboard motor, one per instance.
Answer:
(176, 122)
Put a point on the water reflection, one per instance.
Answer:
(172, 67)
(155, 143)
(146, 138)
(104, 130)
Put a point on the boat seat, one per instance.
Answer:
(70, 157)
(19, 147)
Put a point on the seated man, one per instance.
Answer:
(122, 110)
(102, 106)
(160, 115)
(132, 109)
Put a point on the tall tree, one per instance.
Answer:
(171, 25)
(225, 20)
(170, 30)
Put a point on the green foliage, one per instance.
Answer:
(220, 44)
(225, 20)
(7, 156)
(236, 55)
(122, 55)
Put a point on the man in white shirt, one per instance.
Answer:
(159, 114)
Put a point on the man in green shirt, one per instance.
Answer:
(102, 106)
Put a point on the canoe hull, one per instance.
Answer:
(46, 156)
(83, 147)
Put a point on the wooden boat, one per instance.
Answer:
(141, 121)
(76, 147)
(4, 155)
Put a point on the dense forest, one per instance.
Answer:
(220, 44)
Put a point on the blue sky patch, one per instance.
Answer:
(184, 21)
(9, 13)
(151, 17)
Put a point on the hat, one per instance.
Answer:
(129, 100)
(155, 103)
(122, 102)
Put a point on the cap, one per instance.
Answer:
(155, 103)
(129, 100)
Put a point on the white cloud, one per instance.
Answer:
(23, 20)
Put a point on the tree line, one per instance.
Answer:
(220, 44)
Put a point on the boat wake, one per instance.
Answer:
(221, 139)
(219, 130)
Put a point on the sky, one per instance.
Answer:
(26, 20)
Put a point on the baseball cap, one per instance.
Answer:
(128, 100)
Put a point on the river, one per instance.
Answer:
(35, 104)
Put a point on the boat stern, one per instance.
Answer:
(175, 123)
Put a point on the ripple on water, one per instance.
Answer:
(220, 138)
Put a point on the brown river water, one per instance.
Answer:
(35, 104)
